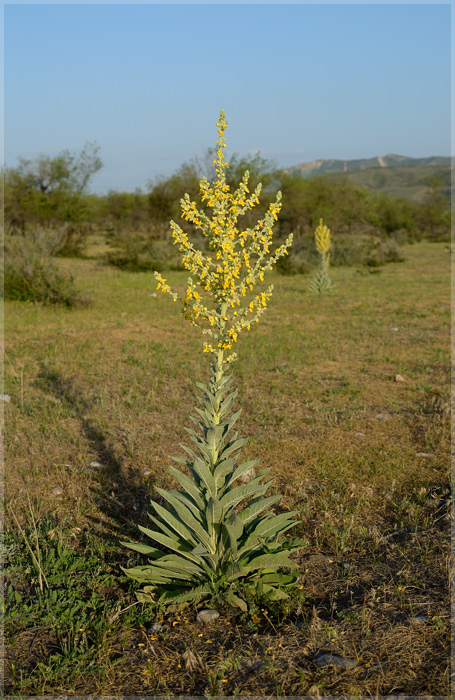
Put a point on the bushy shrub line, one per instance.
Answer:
(32, 274)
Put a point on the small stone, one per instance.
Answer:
(247, 476)
(5, 397)
(206, 616)
(383, 416)
(399, 378)
(417, 620)
(156, 627)
(340, 662)
(425, 455)
(147, 473)
(58, 491)
(95, 465)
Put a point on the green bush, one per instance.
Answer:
(383, 252)
(134, 252)
(31, 274)
(142, 251)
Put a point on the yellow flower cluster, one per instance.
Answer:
(322, 238)
(237, 261)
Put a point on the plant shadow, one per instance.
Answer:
(117, 494)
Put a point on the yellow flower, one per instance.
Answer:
(322, 238)
(222, 275)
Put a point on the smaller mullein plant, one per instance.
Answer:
(321, 282)
(216, 537)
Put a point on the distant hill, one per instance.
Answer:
(393, 175)
(321, 167)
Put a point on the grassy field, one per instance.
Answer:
(363, 456)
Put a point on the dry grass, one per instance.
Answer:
(115, 382)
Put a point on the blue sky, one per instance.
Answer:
(298, 82)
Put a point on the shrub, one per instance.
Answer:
(140, 251)
(31, 274)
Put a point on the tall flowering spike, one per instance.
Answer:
(218, 537)
(237, 262)
(321, 282)
(322, 238)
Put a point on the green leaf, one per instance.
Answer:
(242, 468)
(233, 497)
(176, 523)
(213, 401)
(203, 387)
(182, 460)
(143, 574)
(172, 570)
(226, 404)
(186, 500)
(181, 562)
(189, 486)
(144, 549)
(225, 467)
(274, 593)
(272, 525)
(206, 476)
(195, 594)
(200, 549)
(237, 602)
(206, 454)
(256, 507)
(181, 547)
(162, 527)
(232, 446)
(235, 571)
(198, 423)
(189, 451)
(207, 416)
(214, 510)
(270, 561)
(185, 522)
(214, 437)
(278, 579)
(234, 527)
(228, 424)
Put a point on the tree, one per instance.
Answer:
(434, 212)
(49, 190)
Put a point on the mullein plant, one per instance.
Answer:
(321, 282)
(216, 537)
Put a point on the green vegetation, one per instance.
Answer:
(111, 383)
(32, 274)
(223, 546)
(372, 212)
(322, 282)
(347, 401)
(414, 184)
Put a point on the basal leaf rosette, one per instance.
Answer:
(216, 296)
